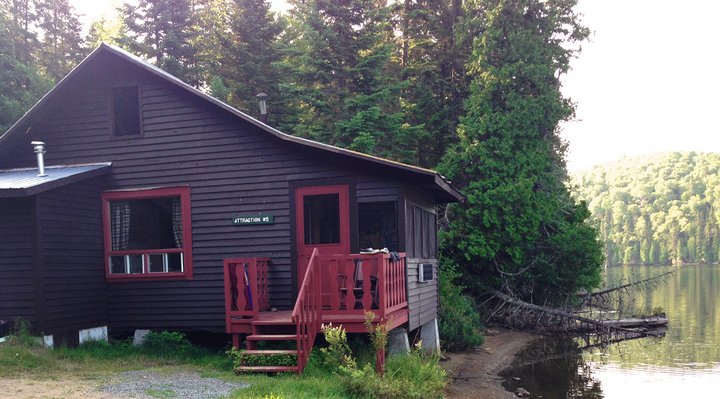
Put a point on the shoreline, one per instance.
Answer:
(474, 373)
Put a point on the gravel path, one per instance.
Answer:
(143, 384)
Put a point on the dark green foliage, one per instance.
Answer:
(520, 230)
(21, 84)
(247, 63)
(460, 324)
(163, 30)
(61, 45)
(166, 343)
(656, 210)
(240, 358)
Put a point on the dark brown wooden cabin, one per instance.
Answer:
(164, 208)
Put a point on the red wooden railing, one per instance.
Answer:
(307, 313)
(246, 287)
(355, 283)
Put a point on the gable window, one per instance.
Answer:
(126, 111)
(148, 233)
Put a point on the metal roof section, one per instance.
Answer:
(432, 176)
(25, 182)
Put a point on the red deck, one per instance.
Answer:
(337, 289)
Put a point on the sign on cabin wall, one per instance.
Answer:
(256, 219)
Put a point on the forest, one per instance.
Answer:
(471, 88)
(656, 210)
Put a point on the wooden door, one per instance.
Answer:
(322, 221)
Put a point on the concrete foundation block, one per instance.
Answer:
(139, 337)
(430, 337)
(398, 343)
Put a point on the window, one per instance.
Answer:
(322, 219)
(377, 225)
(126, 111)
(148, 233)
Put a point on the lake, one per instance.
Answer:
(683, 363)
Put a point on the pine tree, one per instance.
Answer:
(61, 45)
(339, 62)
(435, 44)
(163, 30)
(249, 57)
(20, 84)
(520, 230)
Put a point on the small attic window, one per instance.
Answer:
(126, 111)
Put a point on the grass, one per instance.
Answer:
(23, 356)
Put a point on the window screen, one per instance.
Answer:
(322, 219)
(377, 225)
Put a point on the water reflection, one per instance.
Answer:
(685, 362)
(553, 368)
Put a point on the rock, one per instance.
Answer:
(516, 378)
(522, 392)
(491, 332)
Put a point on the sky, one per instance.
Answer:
(646, 82)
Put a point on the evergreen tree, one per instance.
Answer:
(339, 62)
(163, 30)
(20, 84)
(520, 230)
(435, 44)
(61, 45)
(249, 57)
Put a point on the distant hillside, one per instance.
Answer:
(658, 209)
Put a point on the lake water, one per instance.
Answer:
(685, 363)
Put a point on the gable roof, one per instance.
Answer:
(429, 177)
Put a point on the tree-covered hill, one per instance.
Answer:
(658, 209)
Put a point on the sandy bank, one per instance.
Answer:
(474, 374)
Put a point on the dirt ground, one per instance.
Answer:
(23, 388)
(474, 374)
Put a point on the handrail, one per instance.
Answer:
(307, 313)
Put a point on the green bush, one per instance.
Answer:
(240, 358)
(412, 376)
(460, 324)
(166, 343)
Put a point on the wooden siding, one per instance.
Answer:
(421, 247)
(232, 167)
(17, 244)
(73, 286)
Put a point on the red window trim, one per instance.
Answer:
(184, 193)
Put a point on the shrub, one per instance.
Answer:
(337, 353)
(166, 343)
(412, 376)
(240, 358)
(460, 324)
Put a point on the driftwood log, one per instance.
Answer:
(520, 314)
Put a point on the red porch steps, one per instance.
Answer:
(270, 326)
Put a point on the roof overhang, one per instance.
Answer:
(25, 182)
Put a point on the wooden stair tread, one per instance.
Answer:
(269, 352)
(271, 337)
(267, 369)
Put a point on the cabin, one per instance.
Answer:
(130, 200)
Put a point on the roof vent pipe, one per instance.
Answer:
(39, 147)
(263, 107)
